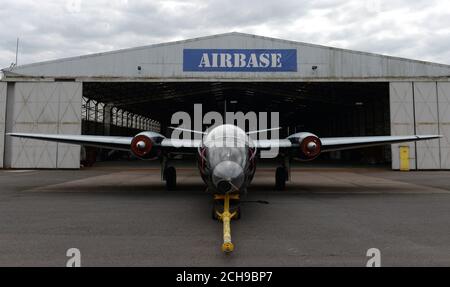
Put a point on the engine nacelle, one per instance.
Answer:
(143, 146)
(310, 145)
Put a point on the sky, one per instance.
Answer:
(52, 29)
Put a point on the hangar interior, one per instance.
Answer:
(324, 90)
(328, 109)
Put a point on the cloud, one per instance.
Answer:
(50, 29)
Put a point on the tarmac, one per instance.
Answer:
(119, 214)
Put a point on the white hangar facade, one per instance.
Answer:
(328, 91)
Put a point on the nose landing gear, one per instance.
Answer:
(225, 216)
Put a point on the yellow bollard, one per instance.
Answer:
(404, 158)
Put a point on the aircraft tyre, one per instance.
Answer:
(280, 178)
(171, 178)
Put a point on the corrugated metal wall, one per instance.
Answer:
(53, 108)
(422, 108)
(166, 61)
(402, 119)
(3, 86)
(444, 123)
(69, 122)
(427, 123)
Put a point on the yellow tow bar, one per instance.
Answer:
(226, 217)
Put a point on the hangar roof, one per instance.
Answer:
(168, 62)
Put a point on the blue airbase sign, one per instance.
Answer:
(239, 60)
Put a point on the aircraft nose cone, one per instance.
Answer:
(228, 174)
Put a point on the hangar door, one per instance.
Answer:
(426, 116)
(444, 123)
(402, 120)
(422, 108)
(52, 107)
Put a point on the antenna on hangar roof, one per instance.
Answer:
(17, 51)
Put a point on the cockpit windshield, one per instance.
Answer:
(226, 143)
(218, 154)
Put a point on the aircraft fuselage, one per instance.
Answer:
(227, 159)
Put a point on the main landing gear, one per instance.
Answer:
(281, 176)
(282, 173)
(226, 207)
(168, 173)
(171, 178)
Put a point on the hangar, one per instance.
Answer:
(324, 90)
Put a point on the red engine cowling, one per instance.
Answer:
(142, 146)
(310, 146)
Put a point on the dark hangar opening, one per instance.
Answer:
(328, 109)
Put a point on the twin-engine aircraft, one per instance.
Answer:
(226, 158)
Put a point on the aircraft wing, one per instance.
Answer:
(276, 143)
(124, 143)
(180, 146)
(342, 143)
(112, 142)
(180, 143)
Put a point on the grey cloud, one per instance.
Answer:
(52, 29)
